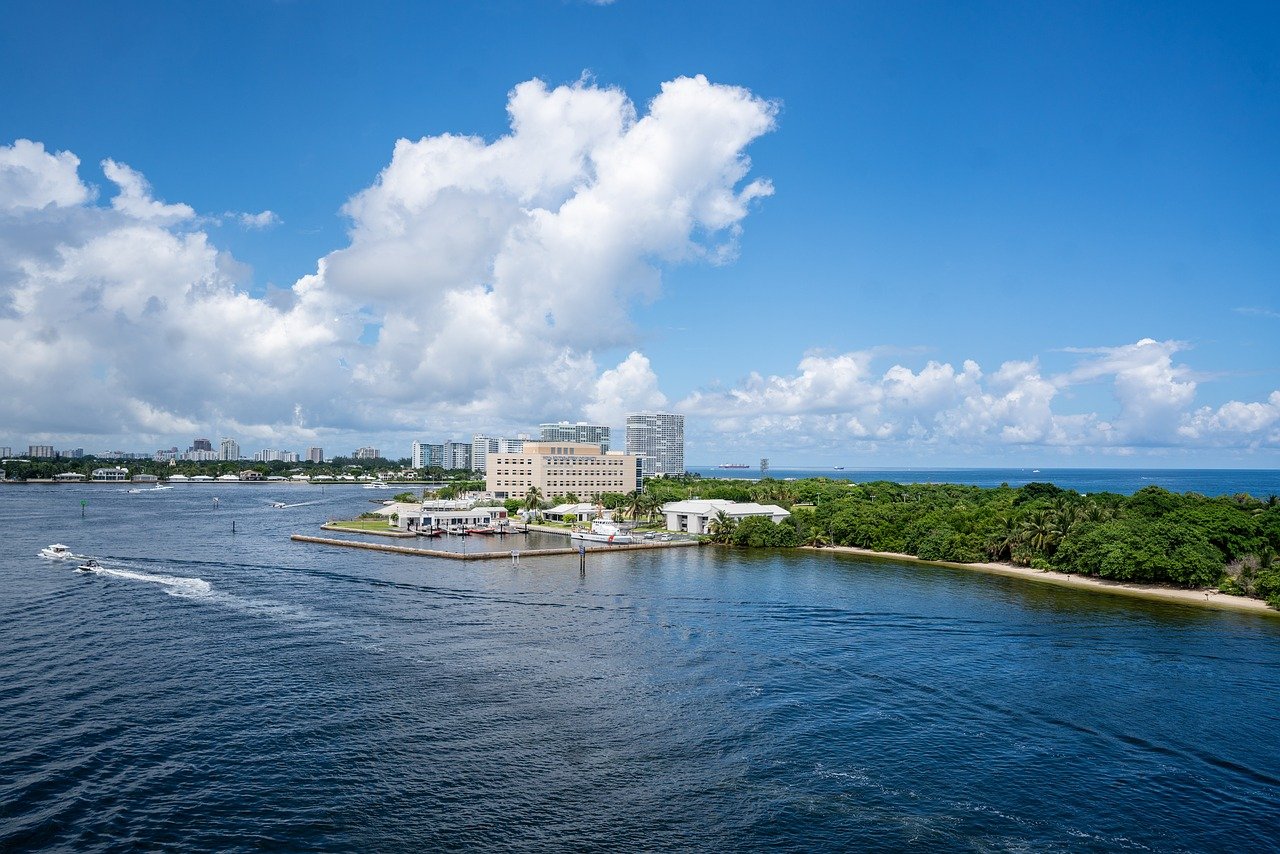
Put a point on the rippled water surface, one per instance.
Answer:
(233, 692)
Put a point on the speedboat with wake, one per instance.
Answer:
(89, 566)
(58, 551)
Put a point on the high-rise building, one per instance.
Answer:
(481, 447)
(201, 445)
(315, 455)
(457, 456)
(425, 455)
(563, 431)
(658, 440)
(37, 452)
(269, 455)
(6, 453)
(512, 446)
(366, 453)
(228, 449)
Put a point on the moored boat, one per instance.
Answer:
(601, 532)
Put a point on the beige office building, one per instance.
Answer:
(560, 468)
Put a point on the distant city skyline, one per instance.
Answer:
(845, 234)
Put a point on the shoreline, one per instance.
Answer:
(1155, 593)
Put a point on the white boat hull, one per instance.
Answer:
(592, 537)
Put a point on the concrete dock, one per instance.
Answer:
(503, 555)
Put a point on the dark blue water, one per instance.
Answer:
(224, 692)
(1259, 483)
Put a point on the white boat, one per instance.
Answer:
(376, 484)
(58, 551)
(601, 532)
(89, 566)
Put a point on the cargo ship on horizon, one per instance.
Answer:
(733, 466)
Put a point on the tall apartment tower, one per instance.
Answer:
(481, 447)
(201, 445)
(563, 431)
(229, 449)
(658, 440)
(457, 456)
(426, 455)
(315, 455)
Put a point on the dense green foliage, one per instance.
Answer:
(1153, 536)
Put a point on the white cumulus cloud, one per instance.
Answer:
(499, 259)
(263, 219)
(32, 178)
(486, 272)
(134, 197)
(630, 387)
(841, 401)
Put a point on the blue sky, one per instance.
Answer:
(1079, 201)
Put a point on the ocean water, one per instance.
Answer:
(1259, 483)
(211, 691)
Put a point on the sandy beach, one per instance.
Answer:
(1200, 598)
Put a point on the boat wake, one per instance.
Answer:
(197, 588)
(174, 585)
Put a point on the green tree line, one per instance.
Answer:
(1153, 536)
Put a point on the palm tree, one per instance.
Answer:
(651, 505)
(722, 527)
(1003, 539)
(635, 504)
(1040, 531)
(533, 499)
(817, 538)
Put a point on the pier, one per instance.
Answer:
(502, 555)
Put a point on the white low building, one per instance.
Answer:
(432, 517)
(695, 515)
(582, 511)
(113, 473)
